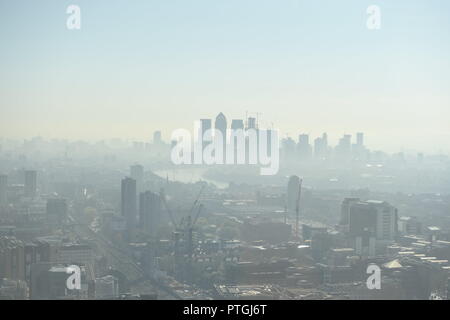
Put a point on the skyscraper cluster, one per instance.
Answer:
(208, 132)
(304, 150)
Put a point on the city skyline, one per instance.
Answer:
(332, 140)
(165, 61)
(225, 154)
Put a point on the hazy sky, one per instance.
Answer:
(307, 66)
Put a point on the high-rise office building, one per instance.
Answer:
(289, 148)
(237, 124)
(321, 147)
(251, 123)
(292, 193)
(269, 134)
(250, 151)
(303, 139)
(205, 125)
(360, 139)
(325, 139)
(304, 148)
(221, 123)
(344, 147)
(318, 148)
(358, 148)
(221, 126)
(12, 258)
(128, 203)
(377, 218)
(30, 183)
(150, 212)
(371, 224)
(38, 251)
(3, 189)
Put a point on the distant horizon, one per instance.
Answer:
(224, 150)
(305, 66)
(333, 140)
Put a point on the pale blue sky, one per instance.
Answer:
(308, 66)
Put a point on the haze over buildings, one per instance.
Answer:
(166, 61)
(89, 187)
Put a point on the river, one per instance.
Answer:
(189, 175)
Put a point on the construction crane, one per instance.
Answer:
(177, 235)
(200, 208)
(196, 200)
(183, 235)
(189, 230)
(189, 238)
(191, 222)
(169, 211)
(297, 208)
